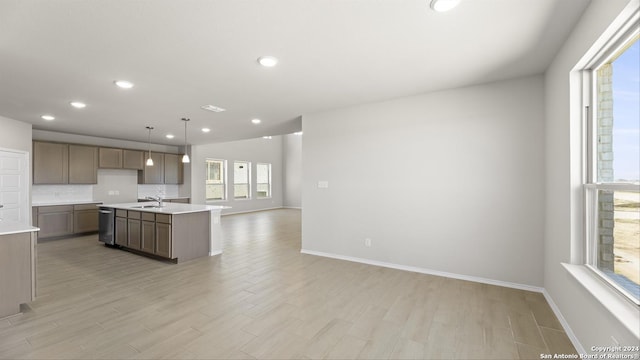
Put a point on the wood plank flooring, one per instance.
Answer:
(262, 299)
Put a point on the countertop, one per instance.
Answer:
(65, 202)
(167, 208)
(8, 227)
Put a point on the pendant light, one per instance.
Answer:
(185, 157)
(149, 159)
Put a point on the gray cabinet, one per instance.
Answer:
(135, 233)
(55, 221)
(163, 239)
(85, 218)
(148, 233)
(173, 169)
(121, 230)
(132, 159)
(153, 174)
(83, 164)
(18, 254)
(110, 158)
(50, 163)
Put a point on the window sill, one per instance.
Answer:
(627, 313)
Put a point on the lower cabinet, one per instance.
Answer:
(144, 231)
(64, 220)
(121, 229)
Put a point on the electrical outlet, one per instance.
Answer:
(367, 242)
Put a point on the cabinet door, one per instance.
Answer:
(109, 158)
(121, 231)
(153, 174)
(163, 240)
(50, 163)
(148, 236)
(132, 159)
(83, 164)
(85, 221)
(55, 224)
(173, 169)
(135, 235)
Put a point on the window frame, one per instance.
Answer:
(269, 179)
(590, 183)
(223, 179)
(249, 195)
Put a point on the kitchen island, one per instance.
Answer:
(17, 266)
(172, 231)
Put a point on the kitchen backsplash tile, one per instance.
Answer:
(165, 191)
(61, 193)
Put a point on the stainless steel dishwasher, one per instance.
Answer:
(106, 225)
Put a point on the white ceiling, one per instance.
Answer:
(183, 54)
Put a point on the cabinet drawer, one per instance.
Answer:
(121, 213)
(163, 218)
(56, 208)
(148, 216)
(85, 207)
(133, 214)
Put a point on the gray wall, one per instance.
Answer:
(591, 322)
(292, 158)
(253, 150)
(449, 181)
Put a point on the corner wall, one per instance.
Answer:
(592, 323)
(449, 181)
(292, 159)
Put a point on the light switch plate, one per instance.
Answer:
(323, 184)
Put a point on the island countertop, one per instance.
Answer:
(167, 208)
(8, 227)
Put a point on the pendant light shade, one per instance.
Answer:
(149, 159)
(185, 157)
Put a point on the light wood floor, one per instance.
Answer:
(263, 299)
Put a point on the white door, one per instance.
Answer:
(14, 185)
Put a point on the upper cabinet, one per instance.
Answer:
(110, 158)
(50, 163)
(83, 164)
(133, 159)
(153, 174)
(173, 169)
(58, 163)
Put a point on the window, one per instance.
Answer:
(612, 179)
(241, 176)
(263, 183)
(215, 183)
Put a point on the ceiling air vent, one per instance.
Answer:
(212, 108)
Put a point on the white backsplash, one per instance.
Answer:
(165, 191)
(61, 193)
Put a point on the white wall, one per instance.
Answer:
(292, 158)
(253, 150)
(15, 135)
(590, 321)
(450, 181)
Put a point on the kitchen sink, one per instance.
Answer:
(147, 207)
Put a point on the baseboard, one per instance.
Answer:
(426, 271)
(565, 325)
(293, 207)
(214, 253)
(250, 211)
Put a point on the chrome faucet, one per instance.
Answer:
(156, 198)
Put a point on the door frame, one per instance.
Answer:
(26, 181)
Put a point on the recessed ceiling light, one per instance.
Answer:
(256, 121)
(78, 104)
(124, 84)
(444, 5)
(205, 130)
(47, 117)
(268, 61)
(267, 137)
(212, 108)
(169, 136)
